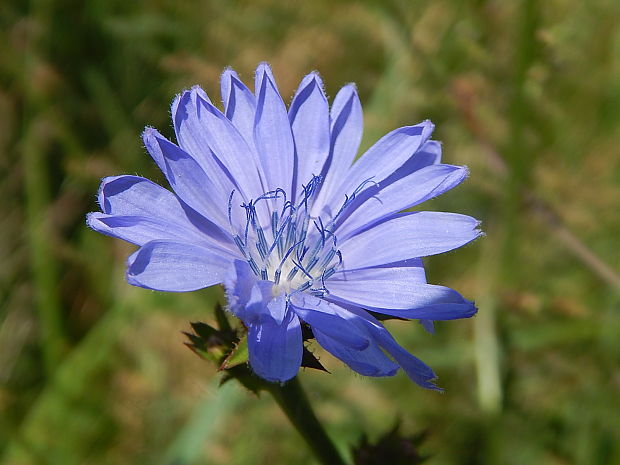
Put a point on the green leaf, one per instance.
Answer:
(237, 356)
(204, 331)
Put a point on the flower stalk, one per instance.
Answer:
(294, 403)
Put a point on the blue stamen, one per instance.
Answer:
(262, 242)
(349, 199)
(315, 251)
(278, 239)
(288, 205)
(280, 190)
(291, 236)
(298, 265)
(230, 209)
(240, 245)
(287, 254)
(248, 219)
(291, 274)
(300, 253)
(274, 223)
(290, 233)
(312, 264)
(254, 266)
(304, 229)
(329, 257)
(328, 273)
(261, 250)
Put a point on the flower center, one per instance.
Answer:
(295, 251)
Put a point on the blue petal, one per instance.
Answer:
(251, 299)
(309, 116)
(187, 178)
(230, 148)
(179, 114)
(133, 196)
(139, 229)
(323, 315)
(393, 291)
(370, 361)
(238, 283)
(176, 267)
(272, 132)
(257, 307)
(433, 312)
(276, 349)
(428, 325)
(137, 196)
(347, 124)
(409, 235)
(391, 279)
(432, 151)
(428, 154)
(278, 307)
(381, 160)
(193, 139)
(190, 132)
(411, 269)
(378, 202)
(416, 369)
(239, 105)
(218, 147)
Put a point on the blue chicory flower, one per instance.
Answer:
(269, 203)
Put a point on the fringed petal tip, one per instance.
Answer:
(419, 373)
(148, 132)
(106, 183)
(478, 230)
(263, 69)
(431, 385)
(428, 127)
(174, 105)
(466, 171)
(351, 86)
(312, 76)
(198, 91)
(474, 308)
(92, 221)
(228, 73)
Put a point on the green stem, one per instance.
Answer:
(294, 403)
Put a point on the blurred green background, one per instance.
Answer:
(526, 93)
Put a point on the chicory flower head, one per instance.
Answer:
(269, 202)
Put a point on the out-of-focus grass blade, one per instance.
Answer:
(202, 427)
(53, 422)
(486, 341)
